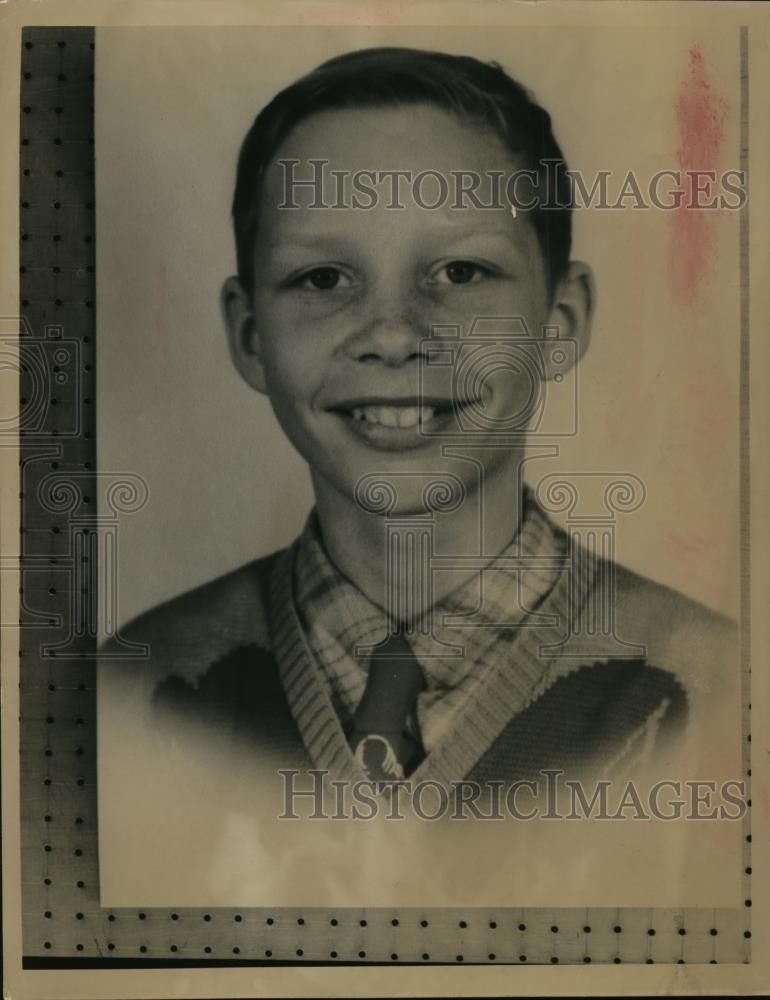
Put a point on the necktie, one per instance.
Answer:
(380, 744)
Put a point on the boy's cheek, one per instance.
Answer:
(310, 325)
(503, 301)
(283, 379)
(302, 307)
(293, 374)
(517, 393)
(290, 412)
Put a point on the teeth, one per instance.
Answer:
(385, 415)
(394, 416)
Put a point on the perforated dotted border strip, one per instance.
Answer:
(63, 924)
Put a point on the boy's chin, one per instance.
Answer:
(409, 493)
(404, 486)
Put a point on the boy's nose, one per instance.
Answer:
(392, 340)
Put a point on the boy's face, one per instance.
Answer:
(345, 300)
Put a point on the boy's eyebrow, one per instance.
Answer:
(305, 243)
(507, 233)
(310, 241)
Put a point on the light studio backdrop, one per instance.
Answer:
(657, 408)
(658, 387)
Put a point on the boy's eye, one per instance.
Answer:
(322, 278)
(460, 272)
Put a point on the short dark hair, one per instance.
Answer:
(475, 91)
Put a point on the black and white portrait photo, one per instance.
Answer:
(406, 551)
(408, 297)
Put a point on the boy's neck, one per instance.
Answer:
(356, 540)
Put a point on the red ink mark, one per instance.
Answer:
(700, 116)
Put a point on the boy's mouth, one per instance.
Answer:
(392, 425)
(394, 416)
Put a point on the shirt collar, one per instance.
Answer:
(472, 628)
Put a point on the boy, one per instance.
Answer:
(423, 625)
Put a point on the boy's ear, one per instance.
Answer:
(572, 312)
(242, 335)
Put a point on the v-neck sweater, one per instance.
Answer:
(231, 657)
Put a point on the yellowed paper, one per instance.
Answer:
(538, 467)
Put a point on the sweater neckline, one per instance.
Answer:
(503, 693)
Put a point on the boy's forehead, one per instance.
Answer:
(420, 136)
(421, 156)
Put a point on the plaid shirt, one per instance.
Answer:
(338, 618)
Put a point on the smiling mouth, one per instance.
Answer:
(406, 412)
(407, 423)
(394, 416)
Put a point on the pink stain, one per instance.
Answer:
(700, 116)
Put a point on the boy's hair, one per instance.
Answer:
(476, 92)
